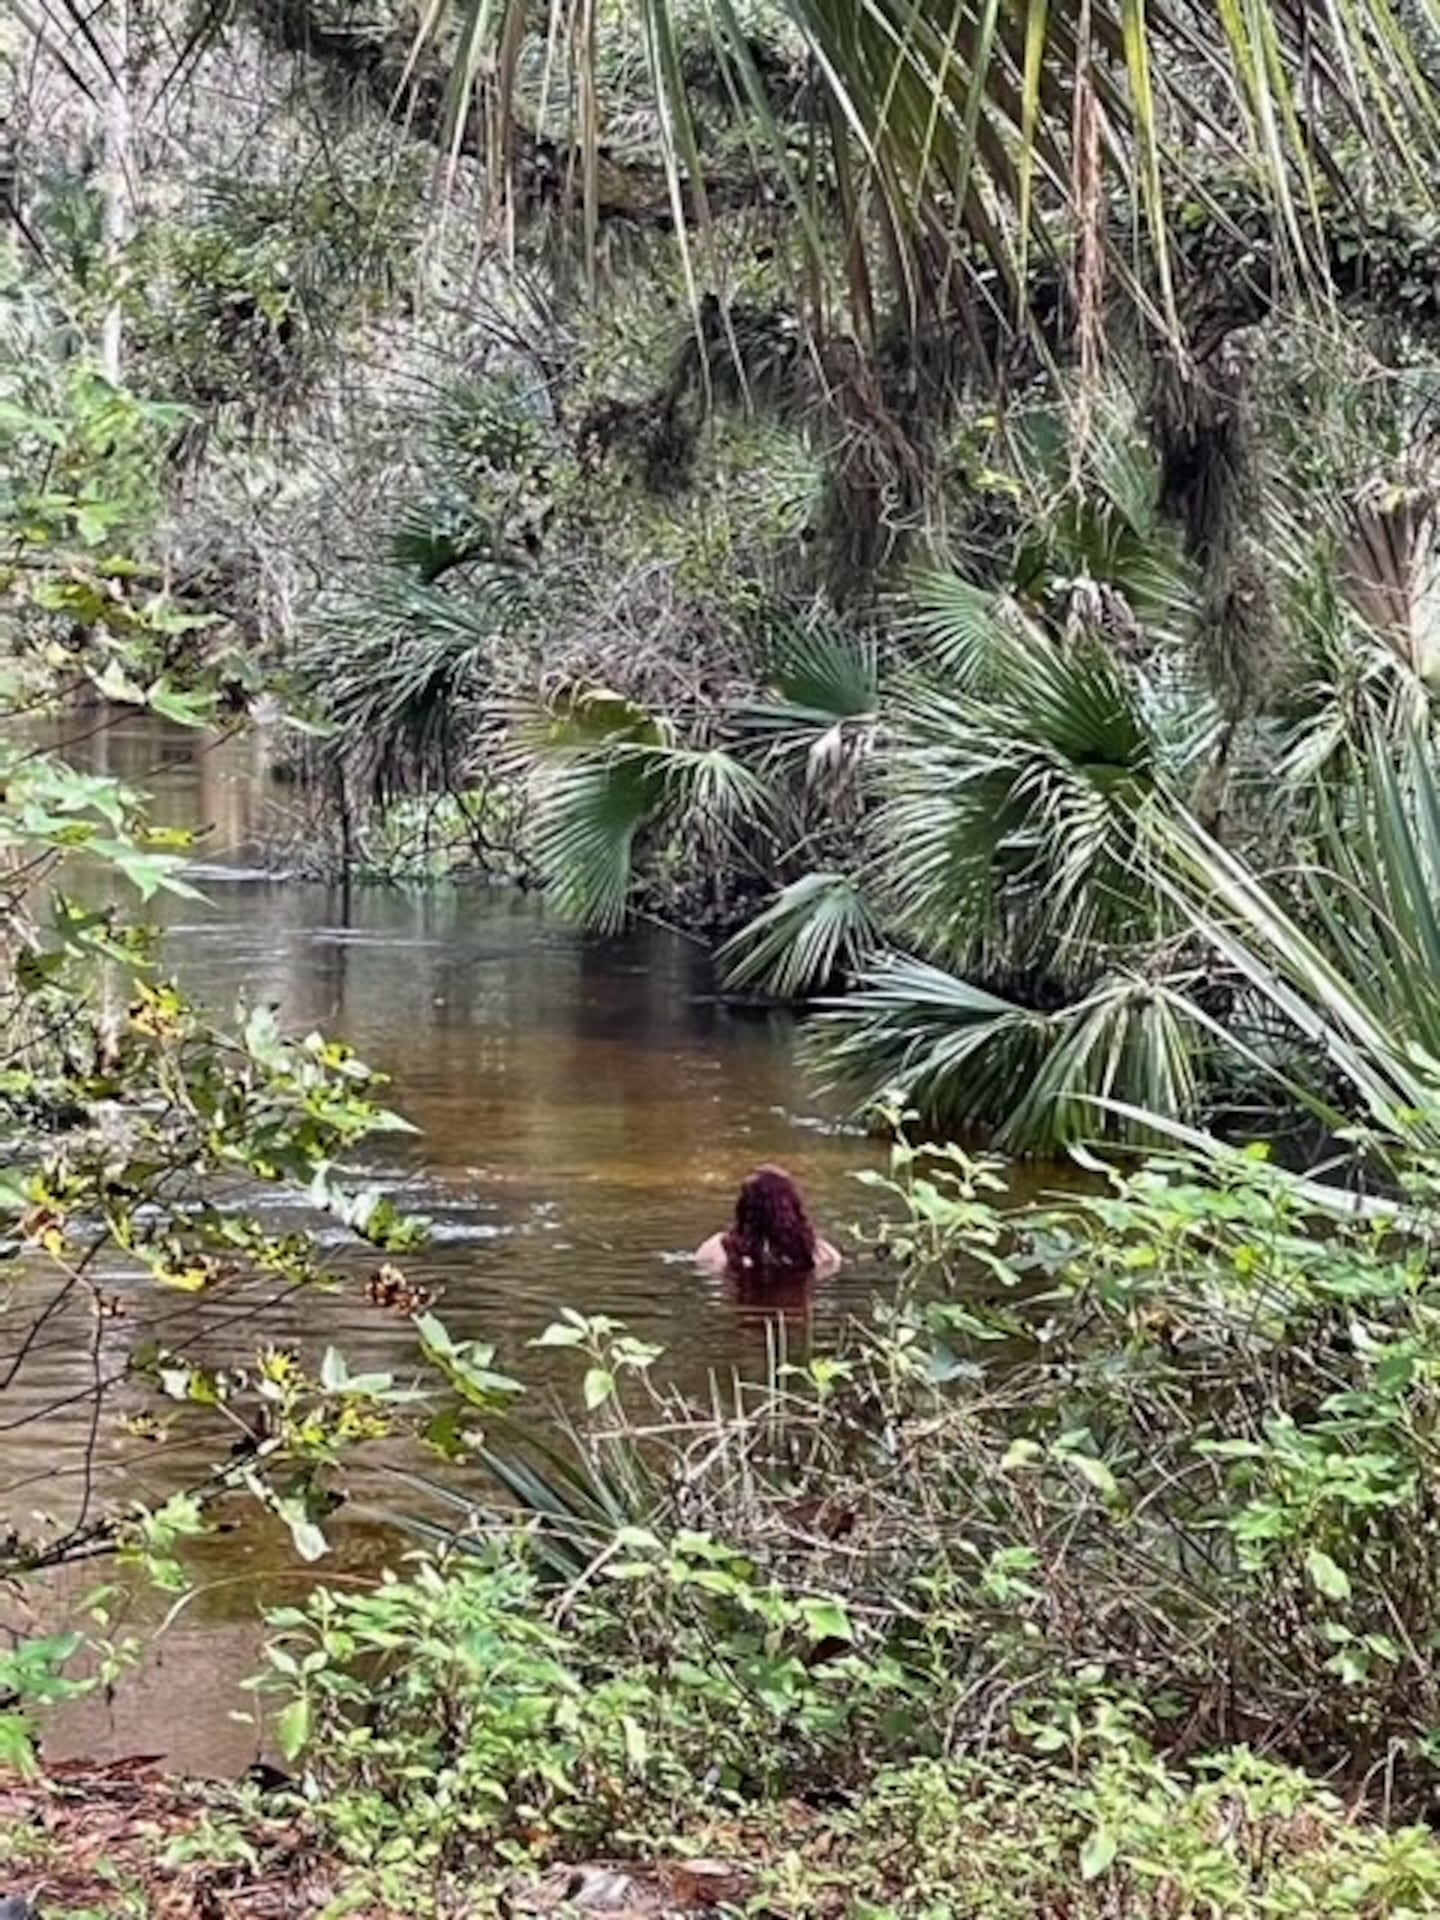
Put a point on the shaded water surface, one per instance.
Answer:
(585, 1111)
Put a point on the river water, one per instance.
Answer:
(585, 1110)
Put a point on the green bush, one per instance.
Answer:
(462, 1708)
(1123, 1837)
(1160, 1458)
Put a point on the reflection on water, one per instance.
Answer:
(585, 1109)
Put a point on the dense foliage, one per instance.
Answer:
(1111, 1492)
(626, 528)
(941, 502)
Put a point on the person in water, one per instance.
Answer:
(773, 1237)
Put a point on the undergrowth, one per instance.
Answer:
(1058, 1589)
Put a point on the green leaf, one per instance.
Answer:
(292, 1728)
(148, 873)
(94, 519)
(116, 685)
(465, 1364)
(598, 1387)
(17, 1744)
(1094, 1471)
(559, 1335)
(35, 970)
(1327, 1577)
(815, 928)
(826, 1619)
(183, 709)
(434, 1335)
(310, 1542)
(262, 1038)
(637, 1744)
(1097, 1853)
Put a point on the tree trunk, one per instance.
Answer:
(115, 187)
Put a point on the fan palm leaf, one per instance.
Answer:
(818, 675)
(397, 663)
(602, 770)
(1010, 818)
(1347, 949)
(819, 714)
(572, 1497)
(1035, 1080)
(968, 633)
(814, 930)
(1093, 525)
(1362, 649)
(587, 817)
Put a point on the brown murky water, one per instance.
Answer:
(585, 1111)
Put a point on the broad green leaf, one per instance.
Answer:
(292, 1727)
(598, 1387)
(434, 1335)
(1097, 1853)
(559, 1335)
(826, 1619)
(1326, 1576)
(465, 1364)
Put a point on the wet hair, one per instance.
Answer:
(772, 1230)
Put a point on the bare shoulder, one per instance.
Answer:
(711, 1254)
(827, 1260)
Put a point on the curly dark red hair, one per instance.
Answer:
(772, 1231)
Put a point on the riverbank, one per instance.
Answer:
(126, 1838)
(1044, 1573)
(1249, 1841)
(1102, 1591)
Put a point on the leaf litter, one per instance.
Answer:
(83, 1837)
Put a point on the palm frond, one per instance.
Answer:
(968, 633)
(587, 815)
(1346, 950)
(571, 1497)
(1351, 671)
(1011, 818)
(430, 537)
(824, 695)
(815, 930)
(957, 125)
(602, 769)
(710, 785)
(579, 719)
(397, 663)
(1033, 1080)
